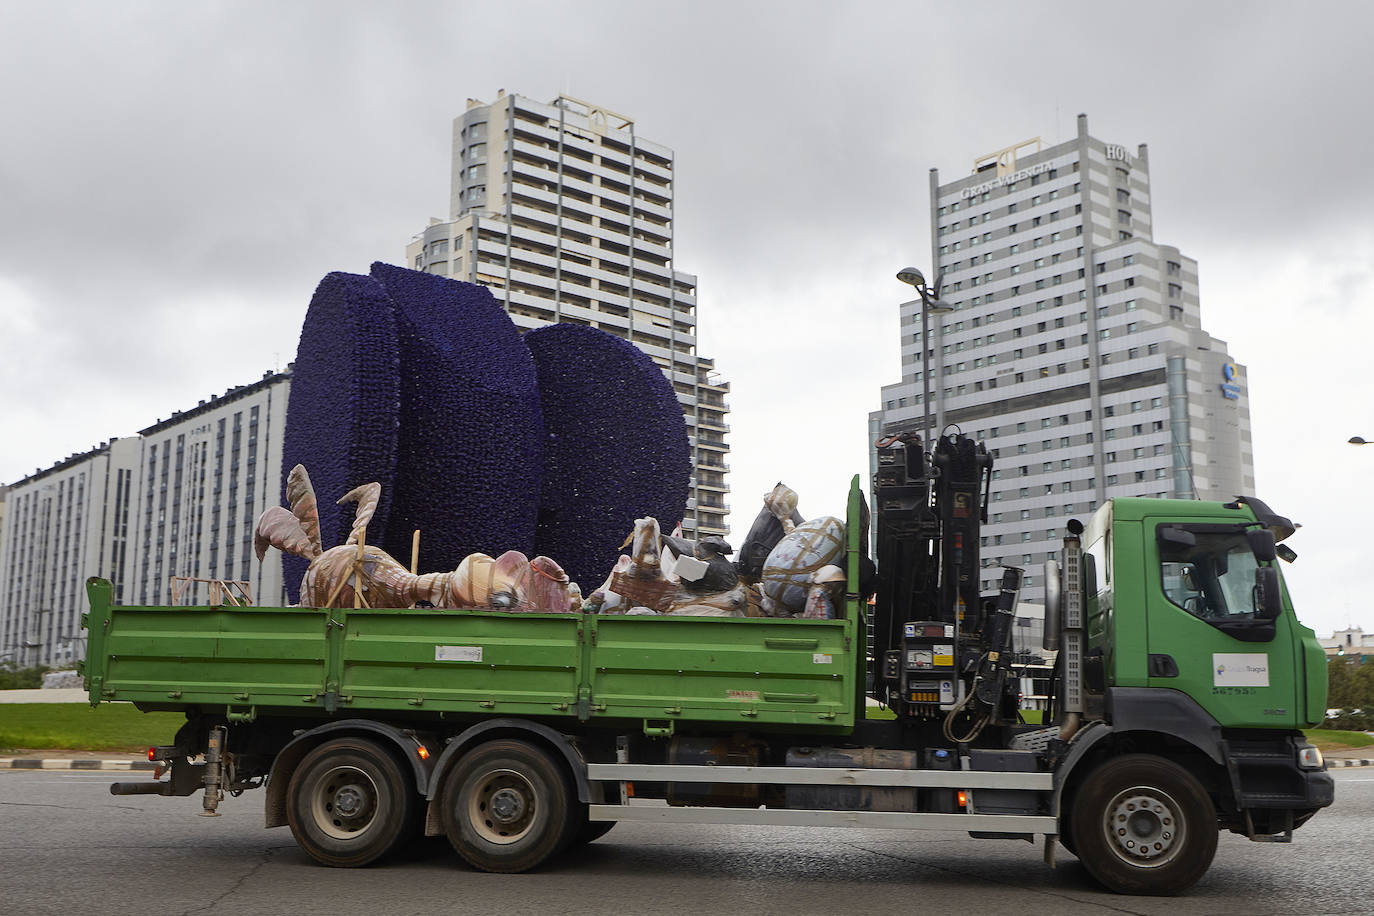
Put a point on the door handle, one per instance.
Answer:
(1163, 666)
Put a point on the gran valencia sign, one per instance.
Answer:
(1005, 180)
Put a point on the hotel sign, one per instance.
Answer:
(1005, 179)
(1229, 389)
(1117, 152)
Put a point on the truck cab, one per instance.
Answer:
(1191, 643)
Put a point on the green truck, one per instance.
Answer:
(1181, 680)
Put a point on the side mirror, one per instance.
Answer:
(1267, 598)
(1261, 542)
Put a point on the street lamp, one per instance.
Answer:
(930, 305)
(1358, 440)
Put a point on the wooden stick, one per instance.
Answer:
(414, 555)
(358, 571)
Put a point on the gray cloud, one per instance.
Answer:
(176, 178)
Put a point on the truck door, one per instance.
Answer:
(1205, 634)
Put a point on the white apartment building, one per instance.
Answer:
(62, 525)
(178, 500)
(1075, 349)
(204, 476)
(566, 214)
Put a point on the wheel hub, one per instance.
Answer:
(348, 801)
(344, 802)
(507, 806)
(1143, 826)
(502, 806)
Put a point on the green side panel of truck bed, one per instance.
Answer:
(220, 656)
(724, 670)
(459, 661)
(738, 672)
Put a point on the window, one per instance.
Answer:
(1213, 578)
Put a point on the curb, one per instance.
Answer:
(39, 763)
(1348, 762)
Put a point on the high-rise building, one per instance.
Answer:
(204, 476)
(61, 525)
(566, 213)
(1075, 349)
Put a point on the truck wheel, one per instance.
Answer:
(349, 803)
(1144, 825)
(506, 807)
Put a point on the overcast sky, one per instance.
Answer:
(175, 178)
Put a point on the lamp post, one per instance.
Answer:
(930, 305)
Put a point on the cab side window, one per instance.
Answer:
(1213, 578)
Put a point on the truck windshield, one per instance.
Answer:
(1213, 579)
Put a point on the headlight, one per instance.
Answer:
(1310, 758)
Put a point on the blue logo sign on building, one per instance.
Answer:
(1229, 389)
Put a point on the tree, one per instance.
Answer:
(1350, 691)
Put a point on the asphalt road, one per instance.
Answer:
(67, 846)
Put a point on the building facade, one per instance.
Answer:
(178, 500)
(1352, 642)
(566, 214)
(62, 525)
(1075, 350)
(204, 476)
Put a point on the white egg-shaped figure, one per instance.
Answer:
(787, 571)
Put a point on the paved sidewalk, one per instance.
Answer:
(53, 695)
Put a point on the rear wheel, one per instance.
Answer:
(350, 803)
(1143, 825)
(506, 807)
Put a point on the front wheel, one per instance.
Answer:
(349, 803)
(1143, 825)
(506, 807)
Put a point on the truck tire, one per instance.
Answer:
(506, 807)
(350, 804)
(1143, 825)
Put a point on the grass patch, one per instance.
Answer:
(79, 727)
(1336, 740)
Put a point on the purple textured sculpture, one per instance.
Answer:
(615, 449)
(468, 459)
(344, 403)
